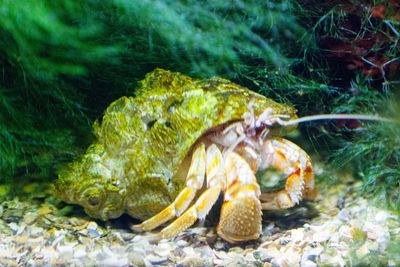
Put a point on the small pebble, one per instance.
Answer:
(92, 226)
(322, 236)
(30, 218)
(313, 253)
(362, 251)
(297, 235)
(36, 231)
(191, 261)
(381, 217)
(115, 261)
(13, 226)
(153, 259)
(309, 264)
(79, 253)
(261, 253)
(344, 215)
(163, 250)
(188, 250)
(127, 236)
(181, 243)
(136, 259)
(65, 250)
(219, 245)
(284, 241)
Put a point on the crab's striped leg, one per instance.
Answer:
(241, 212)
(295, 163)
(216, 182)
(194, 182)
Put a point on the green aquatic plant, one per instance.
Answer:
(43, 121)
(359, 45)
(63, 63)
(372, 149)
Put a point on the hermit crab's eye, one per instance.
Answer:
(94, 200)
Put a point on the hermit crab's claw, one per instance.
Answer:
(241, 212)
(296, 164)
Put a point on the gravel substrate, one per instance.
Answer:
(339, 229)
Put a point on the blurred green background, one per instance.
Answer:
(62, 62)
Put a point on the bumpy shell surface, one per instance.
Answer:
(137, 164)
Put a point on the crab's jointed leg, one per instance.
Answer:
(216, 182)
(241, 211)
(295, 163)
(194, 182)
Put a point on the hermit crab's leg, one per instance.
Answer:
(216, 182)
(241, 212)
(309, 191)
(295, 163)
(194, 182)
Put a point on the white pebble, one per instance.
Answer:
(13, 226)
(362, 251)
(92, 226)
(65, 250)
(321, 236)
(309, 263)
(181, 243)
(36, 231)
(188, 250)
(80, 253)
(115, 261)
(344, 215)
(381, 217)
(297, 235)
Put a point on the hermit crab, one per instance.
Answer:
(174, 148)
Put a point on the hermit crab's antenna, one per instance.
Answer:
(335, 117)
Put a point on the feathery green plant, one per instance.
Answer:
(63, 62)
(360, 41)
(373, 149)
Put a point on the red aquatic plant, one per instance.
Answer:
(364, 38)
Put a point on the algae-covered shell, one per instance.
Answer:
(137, 163)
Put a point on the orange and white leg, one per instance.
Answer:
(216, 183)
(241, 212)
(295, 163)
(194, 182)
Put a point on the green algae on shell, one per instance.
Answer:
(137, 163)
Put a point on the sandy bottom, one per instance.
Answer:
(339, 228)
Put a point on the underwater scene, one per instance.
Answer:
(200, 133)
